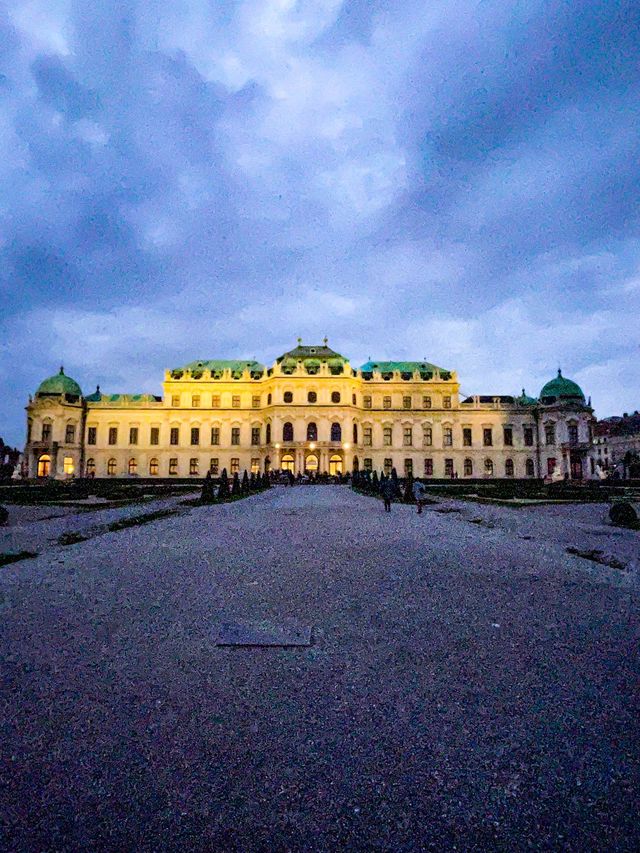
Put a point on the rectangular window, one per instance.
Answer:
(573, 434)
(448, 467)
(447, 437)
(193, 466)
(551, 465)
(508, 436)
(487, 437)
(92, 435)
(235, 465)
(215, 401)
(407, 436)
(406, 402)
(214, 466)
(174, 435)
(255, 402)
(367, 436)
(235, 401)
(387, 436)
(173, 466)
(386, 402)
(426, 402)
(408, 467)
(215, 435)
(467, 440)
(528, 436)
(70, 434)
(550, 434)
(67, 465)
(255, 465)
(366, 402)
(255, 435)
(113, 435)
(235, 435)
(368, 463)
(133, 435)
(388, 466)
(427, 436)
(154, 435)
(446, 402)
(175, 400)
(195, 435)
(195, 401)
(428, 467)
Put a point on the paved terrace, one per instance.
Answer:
(466, 689)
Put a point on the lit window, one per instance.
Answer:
(508, 468)
(113, 435)
(67, 466)
(235, 465)
(70, 434)
(288, 397)
(386, 402)
(447, 437)
(111, 467)
(154, 435)
(406, 402)
(174, 436)
(235, 401)
(133, 466)
(426, 402)
(427, 436)
(367, 436)
(255, 465)
(488, 467)
(487, 437)
(235, 435)
(335, 396)
(195, 435)
(468, 468)
(366, 402)
(133, 435)
(408, 467)
(92, 435)
(215, 401)
(312, 397)
(255, 402)
(508, 436)
(153, 467)
(388, 466)
(466, 437)
(195, 401)
(175, 400)
(255, 435)
(193, 466)
(215, 435)
(446, 402)
(428, 467)
(407, 436)
(448, 467)
(387, 436)
(173, 466)
(214, 466)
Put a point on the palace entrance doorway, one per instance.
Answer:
(311, 463)
(287, 463)
(335, 465)
(44, 466)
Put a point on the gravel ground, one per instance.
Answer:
(466, 689)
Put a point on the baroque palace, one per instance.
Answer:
(310, 411)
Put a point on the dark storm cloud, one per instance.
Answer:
(196, 179)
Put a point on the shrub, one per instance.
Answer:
(235, 486)
(223, 491)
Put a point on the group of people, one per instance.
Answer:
(388, 491)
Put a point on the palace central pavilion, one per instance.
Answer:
(310, 411)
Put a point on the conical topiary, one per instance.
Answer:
(244, 487)
(223, 491)
(235, 486)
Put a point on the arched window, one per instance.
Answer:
(488, 467)
(311, 463)
(336, 432)
(468, 468)
(111, 467)
(288, 396)
(44, 466)
(529, 468)
(90, 467)
(508, 468)
(133, 466)
(153, 467)
(335, 465)
(312, 397)
(335, 396)
(287, 432)
(268, 439)
(355, 433)
(287, 463)
(312, 432)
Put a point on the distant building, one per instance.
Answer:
(310, 411)
(616, 445)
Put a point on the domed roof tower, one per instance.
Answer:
(561, 390)
(59, 385)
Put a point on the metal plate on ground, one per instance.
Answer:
(262, 633)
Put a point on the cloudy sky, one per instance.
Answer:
(187, 179)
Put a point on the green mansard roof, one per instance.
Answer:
(216, 364)
(401, 367)
(321, 352)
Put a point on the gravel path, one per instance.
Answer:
(466, 688)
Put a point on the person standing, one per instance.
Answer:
(419, 493)
(387, 489)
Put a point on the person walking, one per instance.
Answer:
(419, 493)
(387, 489)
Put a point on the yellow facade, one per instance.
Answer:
(309, 411)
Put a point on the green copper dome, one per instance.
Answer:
(525, 400)
(59, 384)
(561, 389)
